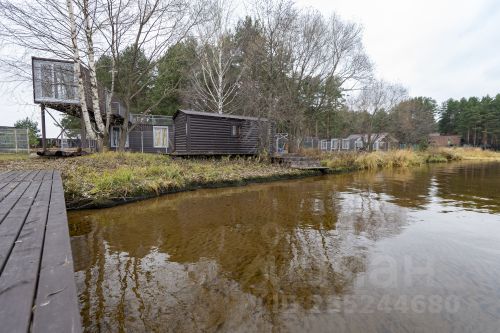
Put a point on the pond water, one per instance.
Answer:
(391, 251)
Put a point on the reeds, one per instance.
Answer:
(402, 158)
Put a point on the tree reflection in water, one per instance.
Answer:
(250, 258)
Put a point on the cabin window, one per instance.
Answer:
(115, 137)
(334, 144)
(345, 144)
(160, 136)
(359, 144)
(324, 145)
(235, 130)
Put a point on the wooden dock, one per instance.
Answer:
(37, 286)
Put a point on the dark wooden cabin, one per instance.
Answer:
(204, 133)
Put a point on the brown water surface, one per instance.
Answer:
(392, 251)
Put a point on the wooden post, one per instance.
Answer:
(142, 142)
(28, 138)
(44, 136)
(15, 138)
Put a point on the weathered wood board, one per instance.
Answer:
(37, 287)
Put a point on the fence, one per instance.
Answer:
(14, 140)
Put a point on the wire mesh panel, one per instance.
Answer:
(14, 140)
(310, 143)
(54, 81)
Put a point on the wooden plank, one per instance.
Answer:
(5, 175)
(18, 281)
(31, 175)
(40, 175)
(14, 221)
(6, 189)
(11, 175)
(56, 307)
(21, 175)
(11, 199)
(48, 175)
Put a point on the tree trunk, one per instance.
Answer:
(220, 101)
(124, 127)
(78, 72)
(101, 127)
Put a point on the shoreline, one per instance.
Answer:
(113, 202)
(111, 179)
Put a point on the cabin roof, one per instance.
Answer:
(217, 115)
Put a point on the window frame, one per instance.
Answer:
(112, 136)
(235, 130)
(167, 132)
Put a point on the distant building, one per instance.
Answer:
(379, 141)
(438, 140)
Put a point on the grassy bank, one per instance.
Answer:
(346, 161)
(102, 180)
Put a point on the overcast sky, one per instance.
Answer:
(436, 48)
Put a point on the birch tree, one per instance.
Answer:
(117, 25)
(215, 83)
(49, 27)
(102, 128)
(78, 70)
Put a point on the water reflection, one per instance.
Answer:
(273, 257)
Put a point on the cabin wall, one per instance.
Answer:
(140, 139)
(209, 135)
(180, 137)
(213, 135)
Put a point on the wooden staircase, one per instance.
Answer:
(297, 161)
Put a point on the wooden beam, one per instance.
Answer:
(44, 135)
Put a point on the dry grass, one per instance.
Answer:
(103, 179)
(402, 158)
(10, 157)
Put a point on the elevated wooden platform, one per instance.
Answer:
(37, 286)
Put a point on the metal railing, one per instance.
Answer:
(158, 120)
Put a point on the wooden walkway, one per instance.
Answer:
(295, 161)
(37, 286)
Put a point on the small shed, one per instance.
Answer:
(204, 133)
